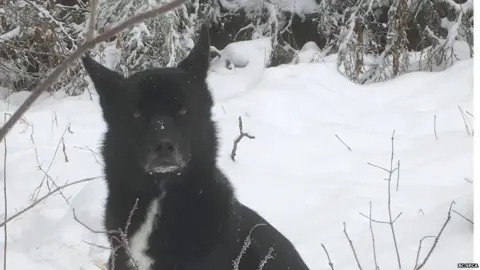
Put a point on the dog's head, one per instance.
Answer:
(157, 113)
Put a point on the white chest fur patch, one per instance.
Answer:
(139, 241)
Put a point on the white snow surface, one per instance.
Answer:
(296, 172)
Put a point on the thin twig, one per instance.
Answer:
(467, 219)
(95, 154)
(239, 138)
(437, 238)
(5, 200)
(96, 245)
(122, 238)
(130, 215)
(36, 191)
(390, 203)
(351, 245)
(381, 168)
(381, 221)
(435, 126)
(328, 257)
(464, 121)
(64, 150)
(390, 221)
(468, 180)
(373, 239)
(348, 147)
(398, 174)
(47, 82)
(246, 245)
(419, 249)
(265, 259)
(45, 197)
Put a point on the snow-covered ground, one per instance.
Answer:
(297, 172)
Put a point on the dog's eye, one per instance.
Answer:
(136, 114)
(182, 111)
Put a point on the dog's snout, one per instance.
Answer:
(165, 146)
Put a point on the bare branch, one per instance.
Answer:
(64, 150)
(390, 203)
(328, 257)
(47, 82)
(391, 220)
(122, 238)
(45, 197)
(398, 174)
(265, 259)
(46, 177)
(449, 216)
(381, 168)
(239, 138)
(465, 121)
(96, 245)
(435, 126)
(95, 154)
(130, 215)
(246, 245)
(91, 22)
(351, 245)
(373, 239)
(420, 248)
(348, 147)
(467, 219)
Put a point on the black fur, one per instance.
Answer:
(201, 225)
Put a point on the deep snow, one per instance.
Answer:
(296, 172)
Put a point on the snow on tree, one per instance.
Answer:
(375, 40)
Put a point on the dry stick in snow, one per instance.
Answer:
(122, 233)
(94, 154)
(419, 249)
(5, 199)
(373, 239)
(239, 138)
(351, 245)
(328, 257)
(449, 216)
(435, 126)
(464, 121)
(391, 221)
(381, 221)
(346, 145)
(468, 180)
(46, 177)
(53, 191)
(398, 173)
(47, 82)
(390, 203)
(467, 219)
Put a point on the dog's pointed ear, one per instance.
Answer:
(105, 80)
(197, 61)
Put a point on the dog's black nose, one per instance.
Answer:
(165, 147)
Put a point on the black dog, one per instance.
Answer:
(160, 153)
